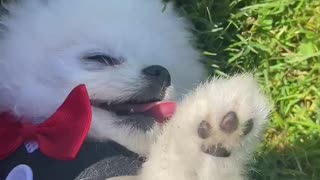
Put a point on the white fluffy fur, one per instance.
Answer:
(43, 41)
(177, 154)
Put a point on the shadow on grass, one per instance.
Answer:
(299, 162)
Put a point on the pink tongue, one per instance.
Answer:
(161, 111)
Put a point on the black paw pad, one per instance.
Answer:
(217, 150)
(248, 127)
(204, 129)
(230, 122)
(142, 159)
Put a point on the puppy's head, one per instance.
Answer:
(126, 53)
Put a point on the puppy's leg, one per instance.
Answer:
(212, 135)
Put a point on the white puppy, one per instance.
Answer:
(213, 134)
(129, 53)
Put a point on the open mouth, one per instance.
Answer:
(160, 111)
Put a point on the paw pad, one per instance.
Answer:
(204, 130)
(230, 122)
(248, 127)
(216, 150)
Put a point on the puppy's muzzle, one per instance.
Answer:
(159, 79)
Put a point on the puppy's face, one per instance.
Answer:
(133, 99)
(126, 53)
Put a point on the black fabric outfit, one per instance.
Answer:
(95, 161)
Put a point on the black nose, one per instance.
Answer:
(158, 75)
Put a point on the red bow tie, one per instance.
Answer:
(59, 137)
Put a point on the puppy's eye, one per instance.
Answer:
(105, 60)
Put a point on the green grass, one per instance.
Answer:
(279, 40)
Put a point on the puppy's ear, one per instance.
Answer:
(124, 178)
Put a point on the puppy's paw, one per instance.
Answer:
(211, 135)
(229, 127)
(235, 114)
